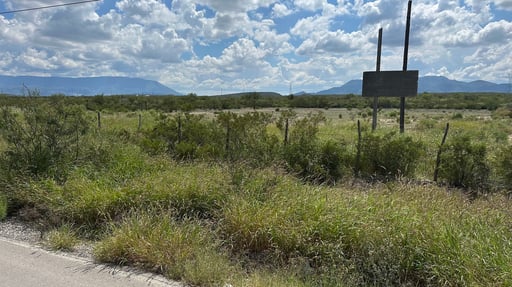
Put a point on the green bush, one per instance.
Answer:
(388, 156)
(43, 140)
(246, 137)
(183, 135)
(504, 166)
(307, 157)
(464, 164)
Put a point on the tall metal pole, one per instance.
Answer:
(406, 55)
(376, 99)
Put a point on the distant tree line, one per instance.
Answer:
(254, 100)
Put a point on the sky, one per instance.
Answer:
(212, 47)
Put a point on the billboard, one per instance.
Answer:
(390, 84)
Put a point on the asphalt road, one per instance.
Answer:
(22, 265)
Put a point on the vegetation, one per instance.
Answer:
(253, 100)
(3, 207)
(63, 238)
(286, 197)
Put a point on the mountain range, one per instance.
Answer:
(428, 84)
(90, 86)
(17, 85)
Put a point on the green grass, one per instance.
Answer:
(63, 238)
(279, 231)
(183, 250)
(391, 235)
(3, 207)
(216, 223)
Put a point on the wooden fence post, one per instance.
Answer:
(140, 123)
(286, 127)
(179, 129)
(438, 159)
(358, 156)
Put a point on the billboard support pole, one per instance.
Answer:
(376, 99)
(406, 55)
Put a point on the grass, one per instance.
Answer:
(282, 232)
(213, 224)
(180, 250)
(3, 207)
(63, 238)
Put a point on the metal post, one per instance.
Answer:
(376, 99)
(406, 54)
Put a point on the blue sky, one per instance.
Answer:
(209, 46)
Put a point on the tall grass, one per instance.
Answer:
(3, 207)
(391, 235)
(214, 223)
(180, 250)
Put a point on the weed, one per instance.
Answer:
(63, 238)
(3, 206)
(464, 164)
(180, 250)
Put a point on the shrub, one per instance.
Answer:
(334, 160)
(504, 166)
(246, 137)
(310, 159)
(388, 156)
(183, 135)
(464, 165)
(503, 112)
(43, 140)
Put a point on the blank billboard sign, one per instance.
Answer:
(390, 84)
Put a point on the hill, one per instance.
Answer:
(244, 94)
(431, 84)
(89, 86)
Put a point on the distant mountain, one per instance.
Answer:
(351, 87)
(261, 94)
(431, 84)
(83, 86)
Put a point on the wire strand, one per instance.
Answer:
(46, 7)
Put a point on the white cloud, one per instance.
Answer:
(164, 40)
(311, 5)
(280, 10)
(236, 5)
(305, 27)
(273, 43)
(333, 43)
(503, 4)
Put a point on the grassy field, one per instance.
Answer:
(211, 222)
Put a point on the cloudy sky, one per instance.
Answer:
(213, 46)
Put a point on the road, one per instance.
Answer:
(22, 265)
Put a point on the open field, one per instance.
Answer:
(220, 197)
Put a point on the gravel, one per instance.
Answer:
(14, 229)
(18, 230)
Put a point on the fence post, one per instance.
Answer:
(358, 156)
(140, 123)
(99, 120)
(228, 134)
(286, 127)
(438, 159)
(179, 129)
